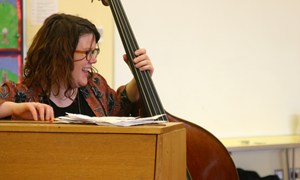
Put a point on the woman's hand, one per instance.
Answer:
(27, 111)
(142, 61)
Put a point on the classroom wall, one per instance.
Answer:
(232, 67)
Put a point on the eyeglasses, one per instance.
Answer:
(88, 54)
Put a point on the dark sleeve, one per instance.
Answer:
(136, 109)
(5, 95)
(6, 92)
(10, 91)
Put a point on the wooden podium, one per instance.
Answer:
(37, 150)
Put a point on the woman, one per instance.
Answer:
(59, 76)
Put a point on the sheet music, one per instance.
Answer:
(108, 120)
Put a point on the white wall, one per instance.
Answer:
(232, 67)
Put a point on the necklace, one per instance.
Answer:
(78, 101)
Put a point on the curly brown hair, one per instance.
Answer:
(49, 61)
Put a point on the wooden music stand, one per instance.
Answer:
(36, 150)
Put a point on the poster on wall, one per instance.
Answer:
(10, 68)
(11, 48)
(10, 25)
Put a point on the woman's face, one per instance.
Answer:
(82, 66)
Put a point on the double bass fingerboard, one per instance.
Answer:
(144, 81)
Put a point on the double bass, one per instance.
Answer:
(207, 158)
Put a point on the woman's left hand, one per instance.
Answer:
(142, 61)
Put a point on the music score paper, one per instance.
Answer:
(108, 120)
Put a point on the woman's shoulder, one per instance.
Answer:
(14, 86)
(11, 90)
(19, 92)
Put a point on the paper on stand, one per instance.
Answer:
(108, 120)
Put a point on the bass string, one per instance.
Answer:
(146, 81)
(151, 99)
(129, 46)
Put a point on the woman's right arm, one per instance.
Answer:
(14, 105)
(27, 111)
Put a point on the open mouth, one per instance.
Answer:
(87, 69)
